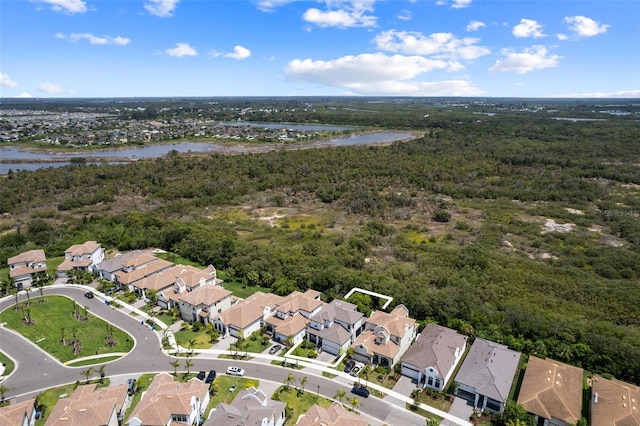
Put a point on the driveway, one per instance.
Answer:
(404, 386)
(460, 408)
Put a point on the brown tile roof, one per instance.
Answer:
(28, 256)
(207, 294)
(297, 301)
(14, 414)
(68, 264)
(87, 405)
(165, 397)
(160, 280)
(250, 310)
(191, 275)
(551, 389)
(289, 326)
(80, 249)
(147, 270)
(435, 347)
(25, 270)
(368, 340)
(396, 321)
(335, 415)
(139, 260)
(614, 403)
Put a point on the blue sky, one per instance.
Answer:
(496, 48)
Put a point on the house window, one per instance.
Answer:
(179, 418)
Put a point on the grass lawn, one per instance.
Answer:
(239, 290)
(8, 364)
(258, 345)
(49, 398)
(299, 403)
(54, 316)
(94, 361)
(435, 400)
(329, 375)
(166, 317)
(424, 413)
(226, 388)
(201, 339)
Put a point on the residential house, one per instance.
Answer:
(433, 357)
(614, 403)
(81, 257)
(386, 337)
(167, 402)
(187, 278)
(19, 414)
(486, 375)
(89, 405)
(108, 268)
(249, 407)
(552, 392)
(138, 268)
(334, 415)
(23, 267)
(248, 315)
(291, 316)
(335, 327)
(204, 303)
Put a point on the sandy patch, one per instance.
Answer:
(552, 226)
(574, 211)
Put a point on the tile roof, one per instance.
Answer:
(25, 270)
(614, 403)
(551, 389)
(207, 294)
(297, 301)
(139, 260)
(396, 322)
(435, 347)
(335, 415)
(144, 271)
(335, 333)
(28, 256)
(165, 397)
(368, 340)
(249, 407)
(289, 326)
(158, 281)
(87, 405)
(117, 262)
(88, 247)
(489, 368)
(250, 310)
(338, 310)
(14, 414)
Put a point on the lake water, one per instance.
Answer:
(29, 160)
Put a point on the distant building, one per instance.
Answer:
(486, 375)
(614, 403)
(552, 392)
(24, 266)
(434, 355)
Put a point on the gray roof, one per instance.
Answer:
(335, 333)
(338, 310)
(435, 347)
(115, 263)
(489, 368)
(249, 407)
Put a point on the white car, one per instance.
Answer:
(235, 371)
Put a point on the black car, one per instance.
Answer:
(132, 386)
(360, 391)
(201, 375)
(88, 295)
(349, 366)
(211, 376)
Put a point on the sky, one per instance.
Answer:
(171, 48)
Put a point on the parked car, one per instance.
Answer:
(211, 376)
(131, 383)
(274, 349)
(349, 366)
(201, 375)
(235, 371)
(89, 295)
(360, 391)
(356, 369)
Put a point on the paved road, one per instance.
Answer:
(37, 371)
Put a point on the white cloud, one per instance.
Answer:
(239, 53)
(270, 5)
(343, 14)
(405, 88)
(528, 28)
(562, 37)
(181, 49)
(529, 59)
(441, 45)
(92, 39)
(366, 68)
(24, 95)
(6, 81)
(405, 15)
(67, 6)
(585, 27)
(51, 88)
(161, 8)
(459, 4)
(618, 94)
(475, 25)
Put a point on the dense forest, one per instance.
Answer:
(458, 225)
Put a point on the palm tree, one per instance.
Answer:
(3, 390)
(191, 343)
(187, 364)
(366, 370)
(355, 403)
(28, 291)
(41, 295)
(175, 364)
(87, 373)
(340, 395)
(290, 378)
(303, 381)
(101, 370)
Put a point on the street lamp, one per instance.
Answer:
(318, 395)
